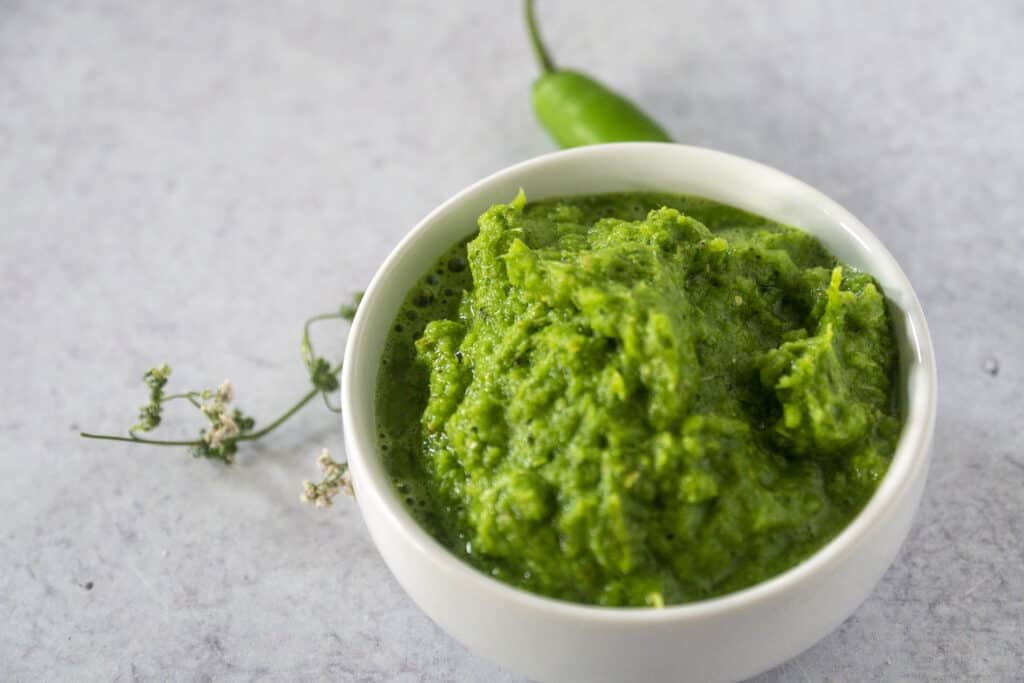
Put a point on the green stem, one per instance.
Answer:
(277, 423)
(539, 50)
(331, 407)
(307, 344)
(291, 411)
(322, 316)
(190, 396)
(136, 439)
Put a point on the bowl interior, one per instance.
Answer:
(648, 167)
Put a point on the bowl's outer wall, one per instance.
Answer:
(556, 642)
(725, 647)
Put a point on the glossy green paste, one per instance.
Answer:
(637, 399)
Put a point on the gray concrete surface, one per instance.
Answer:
(187, 181)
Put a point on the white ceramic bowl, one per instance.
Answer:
(725, 638)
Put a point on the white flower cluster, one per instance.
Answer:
(222, 424)
(336, 479)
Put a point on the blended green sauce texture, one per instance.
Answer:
(637, 399)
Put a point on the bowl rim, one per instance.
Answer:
(910, 456)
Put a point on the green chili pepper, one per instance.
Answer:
(577, 110)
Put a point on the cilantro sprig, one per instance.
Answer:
(226, 426)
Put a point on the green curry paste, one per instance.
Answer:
(637, 399)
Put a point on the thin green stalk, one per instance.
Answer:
(307, 345)
(330, 406)
(539, 49)
(317, 318)
(136, 439)
(190, 396)
(277, 423)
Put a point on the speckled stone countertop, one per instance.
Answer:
(188, 181)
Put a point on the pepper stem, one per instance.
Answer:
(539, 50)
